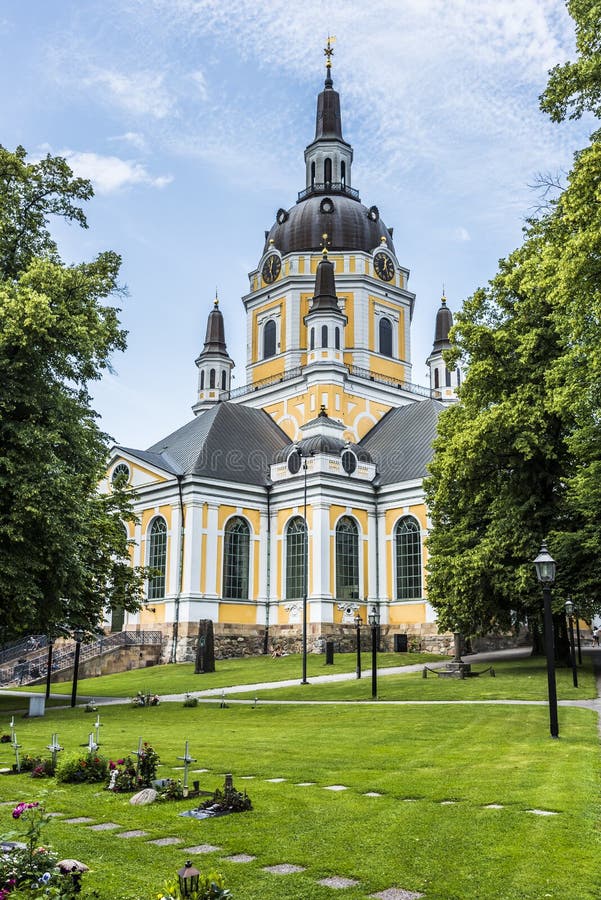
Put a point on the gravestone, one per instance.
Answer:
(205, 649)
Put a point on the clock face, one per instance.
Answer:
(383, 266)
(271, 268)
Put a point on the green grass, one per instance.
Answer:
(179, 678)
(523, 679)
(471, 755)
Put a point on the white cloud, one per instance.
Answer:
(461, 234)
(198, 77)
(141, 93)
(110, 173)
(134, 138)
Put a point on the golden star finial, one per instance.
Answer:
(329, 51)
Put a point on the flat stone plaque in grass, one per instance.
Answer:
(284, 869)
(79, 820)
(397, 894)
(542, 812)
(201, 848)
(137, 832)
(372, 794)
(240, 858)
(104, 826)
(336, 787)
(275, 780)
(206, 813)
(336, 881)
(494, 806)
(166, 842)
(305, 783)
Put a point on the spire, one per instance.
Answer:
(215, 336)
(324, 298)
(444, 323)
(214, 363)
(328, 123)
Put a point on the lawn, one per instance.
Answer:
(435, 768)
(179, 678)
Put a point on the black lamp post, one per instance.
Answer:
(305, 574)
(77, 634)
(545, 572)
(569, 613)
(188, 880)
(374, 622)
(358, 624)
(577, 617)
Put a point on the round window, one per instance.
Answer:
(294, 462)
(120, 473)
(326, 205)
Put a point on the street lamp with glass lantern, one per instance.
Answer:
(78, 635)
(358, 624)
(569, 613)
(545, 572)
(374, 622)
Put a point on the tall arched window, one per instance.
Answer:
(236, 548)
(436, 379)
(269, 335)
(347, 559)
(157, 558)
(327, 170)
(324, 335)
(447, 377)
(312, 174)
(212, 378)
(337, 338)
(407, 538)
(312, 343)
(385, 335)
(296, 549)
(343, 173)
(223, 380)
(458, 371)
(202, 380)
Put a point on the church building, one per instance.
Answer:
(300, 493)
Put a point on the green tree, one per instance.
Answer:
(63, 547)
(520, 458)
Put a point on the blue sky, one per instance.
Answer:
(191, 117)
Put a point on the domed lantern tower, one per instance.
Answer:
(214, 364)
(369, 372)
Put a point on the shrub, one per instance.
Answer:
(44, 769)
(145, 698)
(82, 769)
(125, 776)
(5, 739)
(171, 790)
(210, 887)
(190, 701)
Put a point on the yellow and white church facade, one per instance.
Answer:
(305, 485)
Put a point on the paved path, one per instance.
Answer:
(216, 695)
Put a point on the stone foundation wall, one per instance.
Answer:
(121, 659)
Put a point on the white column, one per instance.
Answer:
(211, 558)
(383, 555)
(174, 551)
(372, 557)
(192, 554)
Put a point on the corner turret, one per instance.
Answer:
(443, 381)
(325, 320)
(214, 364)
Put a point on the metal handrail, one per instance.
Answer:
(263, 382)
(395, 382)
(22, 646)
(328, 187)
(35, 667)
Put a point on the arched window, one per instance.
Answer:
(408, 559)
(324, 335)
(343, 173)
(202, 380)
(312, 174)
(385, 334)
(269, 335)
(296, 549)
(337, 338)
(236, 548)
(157, 558)
(327, 170)
(223, 380)
(212, 378)
(447, 377)
(436, 379)
(347, 559)
(312, 344)
(458, 377)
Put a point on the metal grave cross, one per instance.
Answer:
(97, 727)
(186, 759)
(16, 748)
(92, 745)
(12, 729)
(54, 748)
(139, 753)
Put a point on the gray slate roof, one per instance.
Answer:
(401, 443)
(228, 442)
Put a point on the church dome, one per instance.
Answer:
(348, 223)
(323, 443)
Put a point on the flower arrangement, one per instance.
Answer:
(125, 776)
(190, 701)
(171, 790)
(145, 698)
(210, 887)
(82, 769)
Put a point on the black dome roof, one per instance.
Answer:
(321, 443)
(349, 226)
